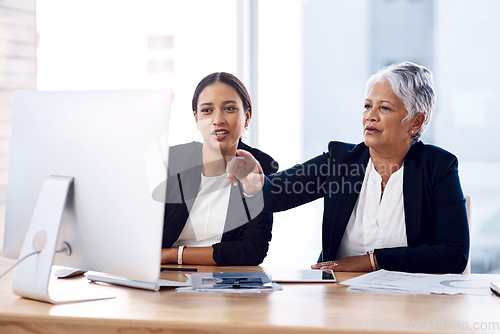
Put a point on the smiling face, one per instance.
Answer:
(221, 118)
(385, 129)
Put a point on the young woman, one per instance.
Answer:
(207, 221)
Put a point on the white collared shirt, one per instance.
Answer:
(207, 217)
(376, 222)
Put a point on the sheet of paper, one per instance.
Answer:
(452, 284)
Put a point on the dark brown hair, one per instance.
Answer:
(228, 79)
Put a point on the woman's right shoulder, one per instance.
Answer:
(184, 156)
(340, 146)
(343, 151)
(190, 147)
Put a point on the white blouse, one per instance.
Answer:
(207, 217)
(375, 222)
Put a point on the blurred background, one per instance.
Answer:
(305, 63)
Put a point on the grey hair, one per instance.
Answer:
(412, 84)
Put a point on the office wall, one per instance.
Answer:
(17, 71)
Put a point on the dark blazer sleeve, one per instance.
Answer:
(436, 221)
(303, 183)
(323, 176)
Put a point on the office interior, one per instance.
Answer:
(305, 63)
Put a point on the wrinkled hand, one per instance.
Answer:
(246, 169)
(359, 263)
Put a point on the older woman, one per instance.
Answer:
(390, 202)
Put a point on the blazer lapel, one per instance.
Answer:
(236, 214)
(190, 181)
(349, 182)
(412, 192)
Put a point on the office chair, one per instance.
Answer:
(467, 270)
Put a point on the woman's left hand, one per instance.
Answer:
(359, 263)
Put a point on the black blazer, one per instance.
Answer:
(435, 214)
(247, 231)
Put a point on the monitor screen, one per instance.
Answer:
(114, 146)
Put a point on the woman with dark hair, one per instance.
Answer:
(390, 202)
(207, 221)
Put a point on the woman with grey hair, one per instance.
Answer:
(390, 202)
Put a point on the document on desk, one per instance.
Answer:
(394, 281)
(230, 282)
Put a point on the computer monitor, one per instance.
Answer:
(96, 158)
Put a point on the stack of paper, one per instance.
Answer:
(230, 282)
(394, 281)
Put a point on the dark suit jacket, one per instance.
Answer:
(247, 231)
(435, 214)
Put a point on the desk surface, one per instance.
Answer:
(298, 308)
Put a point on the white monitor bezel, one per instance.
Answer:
(102, 140)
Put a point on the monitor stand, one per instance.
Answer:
(32, 277)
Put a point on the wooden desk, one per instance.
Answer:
(299, 308)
